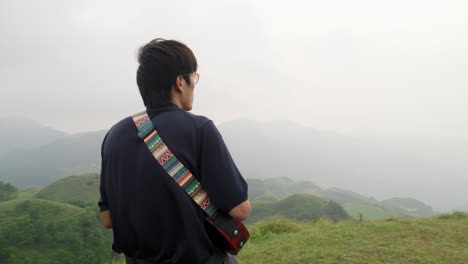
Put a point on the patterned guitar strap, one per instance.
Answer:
(171, 164)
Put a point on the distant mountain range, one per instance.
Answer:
(31, 162)
(382, 169)
(23, 134)
(261, 150)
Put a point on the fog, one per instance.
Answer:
(394, 70)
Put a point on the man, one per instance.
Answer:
(152, 218)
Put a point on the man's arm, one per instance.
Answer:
(220, 176)
(103, 203)
(242, 211)
(106, 220)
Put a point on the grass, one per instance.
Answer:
(419, 240)
(440, 240)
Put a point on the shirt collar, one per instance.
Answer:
(163, 107)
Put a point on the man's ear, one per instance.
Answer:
(178, 84)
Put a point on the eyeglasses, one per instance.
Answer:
(197, 76)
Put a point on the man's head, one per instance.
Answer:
(167, 73)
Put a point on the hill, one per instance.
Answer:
(431, 240)
(84, 190)
(29, 192)
(72, 189)
(14, 209)
(42, 231)
(264, 194)
(356, 205)
(301, 207)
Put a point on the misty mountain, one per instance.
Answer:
(39, 166)
(405, 205)
(273, 189)
(370, 167)
(22, 133)
(346, 196)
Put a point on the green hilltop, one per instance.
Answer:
(301, 207)
(72, 189)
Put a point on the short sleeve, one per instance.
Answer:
(103, 203)
(219, 174)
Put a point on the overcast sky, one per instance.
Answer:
(394, 68)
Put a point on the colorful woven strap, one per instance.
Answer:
(171, 164)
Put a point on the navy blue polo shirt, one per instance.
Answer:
(152, 216)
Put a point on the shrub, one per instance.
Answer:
(276, 225)
(454, 215)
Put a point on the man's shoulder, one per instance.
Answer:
(199, 121)
(125, 123)
(182, 117)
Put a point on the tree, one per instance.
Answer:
(7, 191)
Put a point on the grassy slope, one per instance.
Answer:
(48, 209)
(430, 240)
(83, 187)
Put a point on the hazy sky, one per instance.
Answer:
(395, 68)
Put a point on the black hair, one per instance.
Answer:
(160, 62)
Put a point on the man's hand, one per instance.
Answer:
(106, 220)
(242, 211)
